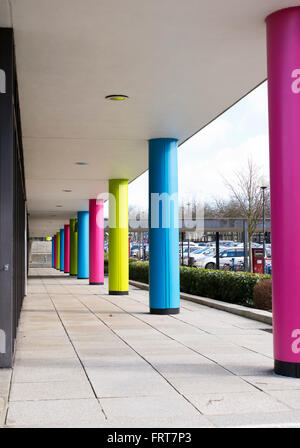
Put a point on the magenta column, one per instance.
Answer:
(67, 249)
(96, 242)
(55, 251)
(283, 50)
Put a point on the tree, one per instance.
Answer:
(246, 192)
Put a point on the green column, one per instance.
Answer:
(58, 251)
(118, 271)
(73, 246)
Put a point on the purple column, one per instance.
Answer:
(96, 242)
(67, 249)
(55, 252)
(283, 50)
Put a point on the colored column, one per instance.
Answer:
(118, 271)
(55, 251)
(62, 249)
(163, 227)
(73, 246)
(52, 252)
(283, 43)
(83, 245)
(67, 249)
(58, 251)
(96, 242)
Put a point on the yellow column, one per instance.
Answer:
(118, 271)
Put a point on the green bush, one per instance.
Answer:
(262, 295)
(131, 260)
(105, 263)
(139, 271)
(228, 286)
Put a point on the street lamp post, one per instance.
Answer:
(264, 226)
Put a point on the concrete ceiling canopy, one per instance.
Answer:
(180, 63)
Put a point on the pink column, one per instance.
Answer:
(55, 251)
(96, 242)
(283, 50)
(67, 249)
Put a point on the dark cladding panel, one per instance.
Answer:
(6, 196)
(12, 201)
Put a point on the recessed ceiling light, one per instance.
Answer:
(67, 190)
(81, 163)
(116, 97)
(59, 206)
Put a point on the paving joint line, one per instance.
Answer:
(205, 356)
(141, 356)
(190, 348)
(79, 359)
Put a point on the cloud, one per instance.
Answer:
(218, 151)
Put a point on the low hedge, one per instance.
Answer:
(105, 263)
(139, 271)
(228, 286)
(262, 295)
(131, 260)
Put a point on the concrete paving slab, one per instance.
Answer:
(285, 419)
(56, 413)
(236, 403)
(148, 407)
(270, 381)
(87, 359)
(54, 390)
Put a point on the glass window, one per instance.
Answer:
(239, 253)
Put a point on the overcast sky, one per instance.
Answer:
(221, 148)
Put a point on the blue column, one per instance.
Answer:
(53, 251)
(163, 227)
(83, 245)
(62, 252)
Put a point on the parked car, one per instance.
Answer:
(134, 250)
(200, 254)
(228, 256)
(194, 253)
(190, 250)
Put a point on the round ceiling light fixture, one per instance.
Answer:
(58, 205)
(67, 190)
(81, 163)
(116, 97)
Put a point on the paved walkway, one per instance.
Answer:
(88, 359)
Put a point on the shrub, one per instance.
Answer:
(139, 271)
(228, 286)
(105, 263)
(131, 260)
(262, 295)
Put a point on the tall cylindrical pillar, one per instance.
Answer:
(67, 249)
(96, 241)
(52, 264)
(118, 270)
(163, 227)
(83, 245)
(62, 249)
(58, 251)
(73, 246)
(283, 43)
(55, 252)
